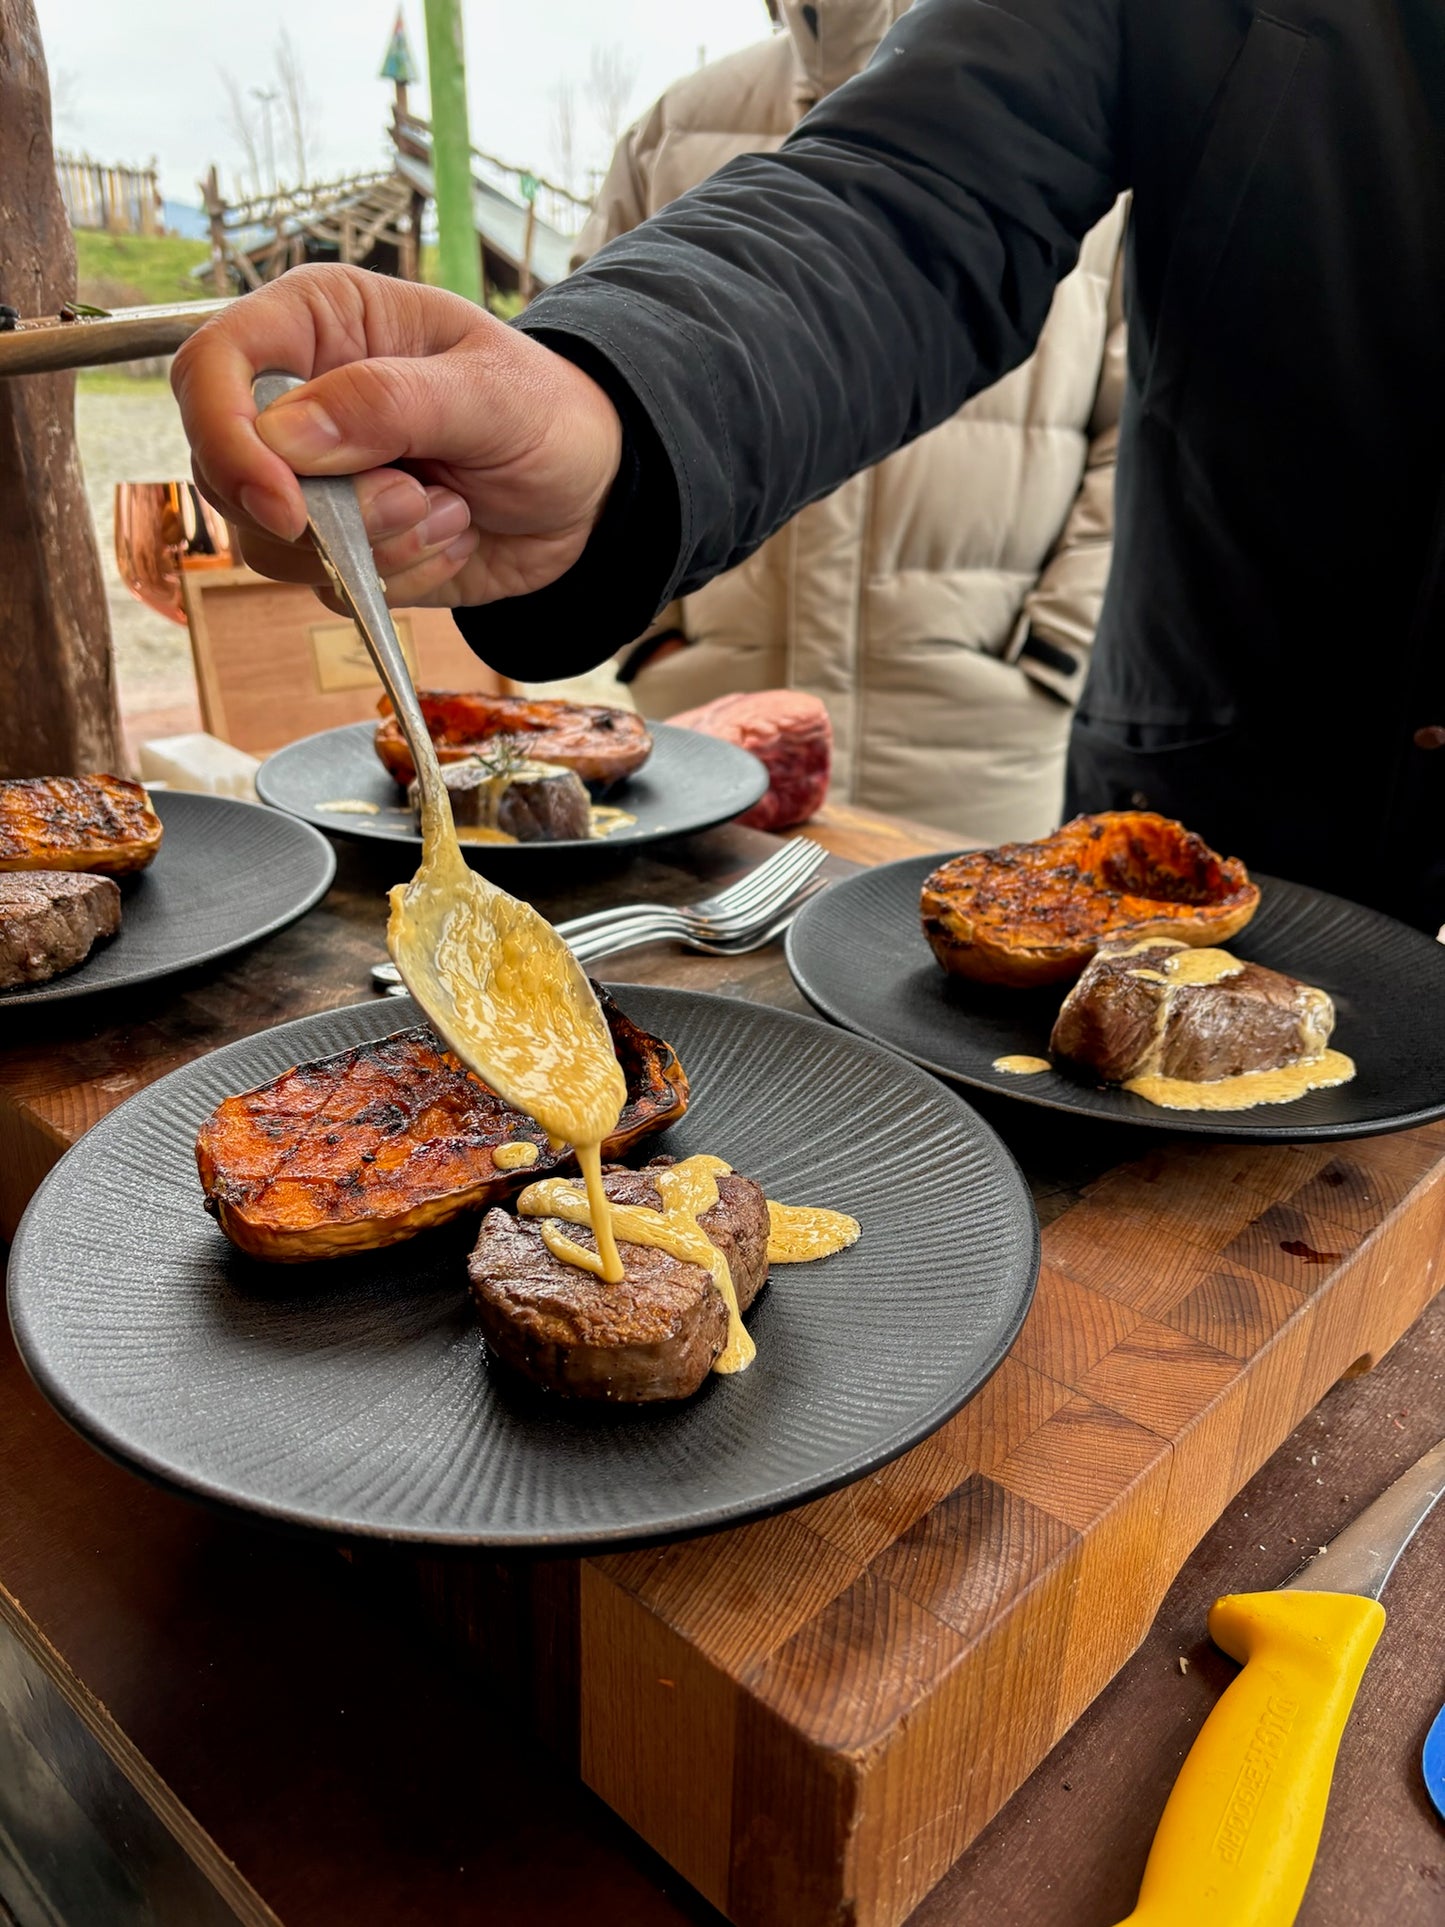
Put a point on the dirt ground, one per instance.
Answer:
(135, 437)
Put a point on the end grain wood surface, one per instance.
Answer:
(813, 1715)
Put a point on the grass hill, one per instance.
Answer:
(137, 270)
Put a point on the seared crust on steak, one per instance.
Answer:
(1119, 1023)
(655, 1335)
(104, 824)
(1028, 914)
(49, 922)
(377, 1143)
(602, 745)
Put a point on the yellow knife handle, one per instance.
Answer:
(1237, 1839)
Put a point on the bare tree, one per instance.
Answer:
(564, 133)
(64, 88)
(298, 108)
(240, 123)
(611, 81)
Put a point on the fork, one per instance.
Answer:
(733, 915)
(739, 934)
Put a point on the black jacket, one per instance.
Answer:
(1270, 664)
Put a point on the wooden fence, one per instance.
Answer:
(122, 200)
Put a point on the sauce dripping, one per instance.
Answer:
(1188, 966)
(515, 1156)
(798, 1233)
(1249, 1088)
(605, 819)
(511, 1000)
(688, 1189)
(1021, 1066)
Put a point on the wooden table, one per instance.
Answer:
(203, 1721)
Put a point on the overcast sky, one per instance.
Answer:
(143, 78)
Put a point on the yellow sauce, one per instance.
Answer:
(1021, 1066)
(1200, 966)
(350, 806)
(798, 1233)
(1242, 1093)
(688, 1189)
(515, 1156)
(482, 833)
(605, 819)
(510, 999)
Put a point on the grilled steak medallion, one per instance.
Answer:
(1126, 1018)
(1034, 913)
(655, 1335)
(104, 824)
(49, 922)
(370, 1146)
(602, 745)
(536, 803)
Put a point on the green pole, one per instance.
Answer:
(459, 254)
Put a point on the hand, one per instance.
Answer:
(482, 459)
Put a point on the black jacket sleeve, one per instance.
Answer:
(804, 313)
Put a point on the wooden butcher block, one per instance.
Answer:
(811, 1717)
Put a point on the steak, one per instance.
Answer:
(1126, 1018)
(50, 920)
(654, 1335)
(789, 733)
(538, 803)
(104, 824)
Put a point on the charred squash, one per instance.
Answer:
(377, 1143)
(602, 745)
(1029, 914)
(104, 824)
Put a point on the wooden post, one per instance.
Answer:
(57, 676)
(216, 214)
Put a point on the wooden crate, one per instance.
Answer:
(273, 663)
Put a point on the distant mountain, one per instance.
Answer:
(189, 222)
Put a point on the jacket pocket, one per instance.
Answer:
(1246, 110)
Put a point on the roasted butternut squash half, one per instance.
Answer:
(1029, 914)
(369, 1147)
(104, 824)
(601, 745)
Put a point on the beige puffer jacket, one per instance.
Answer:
(905, 599)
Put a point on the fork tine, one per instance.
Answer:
(798, 857)
(763, 896)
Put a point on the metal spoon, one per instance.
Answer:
(495, 981)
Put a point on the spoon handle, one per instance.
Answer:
(340, 535)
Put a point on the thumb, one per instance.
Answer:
(469, 404)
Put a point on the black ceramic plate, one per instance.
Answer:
(356, 1397)
(227, 874)
(857, 953)
(690, 782)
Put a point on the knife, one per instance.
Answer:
(1238, 1836)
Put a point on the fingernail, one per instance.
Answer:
(270, 512)
(395, 510)
(298, 431)
(449, 518)
(464, 546)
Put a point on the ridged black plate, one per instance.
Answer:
(227, 874)
(356, 1397)
(858, 954)
(690, 782)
